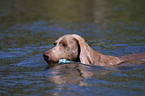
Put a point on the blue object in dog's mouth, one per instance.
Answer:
(64, 61)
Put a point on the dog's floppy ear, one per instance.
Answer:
(85, 50)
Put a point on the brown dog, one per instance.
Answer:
(74, 48)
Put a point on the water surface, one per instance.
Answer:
(29, 28)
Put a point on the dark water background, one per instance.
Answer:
(28, 28)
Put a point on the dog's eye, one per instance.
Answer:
(64, 44)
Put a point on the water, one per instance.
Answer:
(29, 28)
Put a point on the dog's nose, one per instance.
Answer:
(45, 57)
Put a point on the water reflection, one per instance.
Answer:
(75, 76)
(69, 77)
